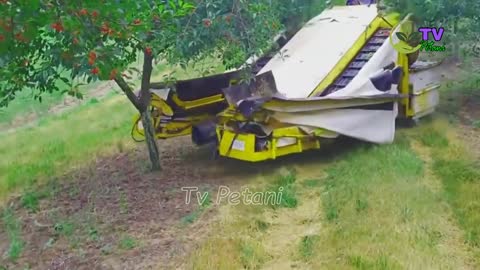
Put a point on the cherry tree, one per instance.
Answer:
(44, 42)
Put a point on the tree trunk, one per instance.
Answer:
(142, 103)
(151, 141)
(144, 99)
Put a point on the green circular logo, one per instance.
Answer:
(401, 39)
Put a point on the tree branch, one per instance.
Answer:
(128, 91)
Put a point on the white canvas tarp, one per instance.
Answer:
(313, 52)
(355, 110)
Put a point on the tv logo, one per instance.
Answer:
(412, 41)
(436, 33)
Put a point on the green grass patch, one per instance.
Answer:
(284, 187)
(476, 124)
(455, 92)
(261, 225)
(461, 181)
(13, 228)
(61, 142)
(204, 203)
(123, 203)
(192, 217)
(127, 243)
(347, 183)
(376, 201)
(30, 200)
(311, 183)
(64, 228)
(308, 246)
(206, 200)
(380, 263)
(24, 104)
(252, 255)
(433, 138)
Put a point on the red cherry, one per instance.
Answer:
(92, 55)
(207, 22)
(148, 51)
(95, 70)
(104, 28)
(136, 21)
(113, 74)
(20, 37)
(83, 12)
(94, 13)
(58, 27)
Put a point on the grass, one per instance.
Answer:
(25, 105)
(361, 263)
(64, 228)
(62, 142)
(407, 205)
(476, 124)
(205, 201)
(192, 217)
(433, 138)
(308, 246)
(123, 203)
(346, 186)
(285, 184)
(459, 174)
(30, 200)
(455, 92)
(13, 228)
(127, 243)
(461, 180)
(252, 255)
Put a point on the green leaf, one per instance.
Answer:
(415, 37)
(401, 36)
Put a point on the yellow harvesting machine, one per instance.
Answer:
(340, 75)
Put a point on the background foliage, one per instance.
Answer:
(460, 18)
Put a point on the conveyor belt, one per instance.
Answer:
(368, 50)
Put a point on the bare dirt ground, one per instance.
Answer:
(117, 215)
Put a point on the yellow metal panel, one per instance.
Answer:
(198, 102)
(404, 86)
(273, 151)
